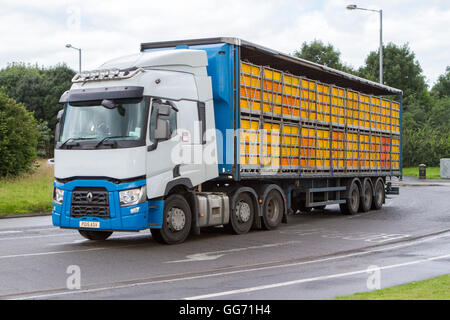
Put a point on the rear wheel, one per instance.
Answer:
(378, 199)
(242, 215)
(177, 220)
(367, 198)
(273, 210)
(352, 204)
(95, 235)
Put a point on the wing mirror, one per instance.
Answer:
(58, 125)
(162, 130)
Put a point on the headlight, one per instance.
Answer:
(133, 196)
(58, 195)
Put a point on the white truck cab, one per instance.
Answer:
(136, 126)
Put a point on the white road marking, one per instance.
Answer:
(243, 271)
(213, 255)
(331, 276)
(48, 253)
(40, 236)
(11, 231)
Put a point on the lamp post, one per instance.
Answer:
(79, 55)
(355, 7)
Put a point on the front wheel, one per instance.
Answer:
(177, 220)
(95, 235)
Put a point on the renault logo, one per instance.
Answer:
(89, 197)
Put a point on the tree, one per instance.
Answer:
(18, 137)
(39, 89)
(442, 86)
(316, 51)
(400, 70)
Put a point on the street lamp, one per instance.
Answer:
(79, 55)
(355, 7)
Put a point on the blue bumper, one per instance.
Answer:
(132, 218)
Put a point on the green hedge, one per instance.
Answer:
(18, 137)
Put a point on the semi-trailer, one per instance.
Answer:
(219, 131)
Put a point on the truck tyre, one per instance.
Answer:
(241, 215)
(273, 209)
(379, 195)
(366, 198)
(95, 235)
(177, 220)
(352, 204)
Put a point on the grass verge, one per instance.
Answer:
(432, 172)
(431, 289)
(28, 193)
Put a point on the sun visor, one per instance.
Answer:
(110, 93)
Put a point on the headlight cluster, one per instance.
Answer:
(58, 196)
(133, 196)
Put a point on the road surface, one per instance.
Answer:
(318, 255)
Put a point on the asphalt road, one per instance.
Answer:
(315, 256)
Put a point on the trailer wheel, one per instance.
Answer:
(272, 210)
(177, 220)
(378, 199)
(352, 204)
(367, 198)
(241, 215)
(95, 235)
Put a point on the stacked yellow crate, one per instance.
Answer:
(337, 150)
(385, 114)
(323, 149)
(364, 151)
(364, 112)
(375, 114)
(352, 147)
(249, 141)
(323, 103)
(271, 144)
(375, 149)
(352, 109)
(308, 100)
(338, 106)
(290, 140)
(250, 88)
(395, 118)
(395, 151)
(308, 148)
(291, 95)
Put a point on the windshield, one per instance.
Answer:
(92, 123)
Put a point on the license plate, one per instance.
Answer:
(89, 224)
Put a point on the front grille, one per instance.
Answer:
(92, 202)
(90, 196)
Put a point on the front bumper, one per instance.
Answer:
(132, 218)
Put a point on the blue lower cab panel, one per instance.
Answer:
(131, 218)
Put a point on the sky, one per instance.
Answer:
(36, 32)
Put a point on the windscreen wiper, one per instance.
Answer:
(109, 137)
(70, 139)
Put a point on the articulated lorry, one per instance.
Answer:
(219, 131)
